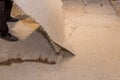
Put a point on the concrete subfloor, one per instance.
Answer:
(97, 48)
(31, 45)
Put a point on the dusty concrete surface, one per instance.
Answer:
(97, 48)
(31, 45)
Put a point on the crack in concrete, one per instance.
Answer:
(73, 30)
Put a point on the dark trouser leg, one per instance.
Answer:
(3, 24)
(8, 8)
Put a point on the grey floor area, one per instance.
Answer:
(97, 48)
(32, 44)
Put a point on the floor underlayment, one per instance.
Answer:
(94, 34)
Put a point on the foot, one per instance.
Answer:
(12, 19)
(9, 37)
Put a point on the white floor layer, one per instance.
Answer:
(94, 33)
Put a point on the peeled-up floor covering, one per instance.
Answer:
(50, 15)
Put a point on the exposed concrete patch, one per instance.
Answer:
(32, 45)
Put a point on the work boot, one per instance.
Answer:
(12, 19)
(9, 37)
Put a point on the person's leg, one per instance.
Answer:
(3, 24)
(8, 9)
(4, 31)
